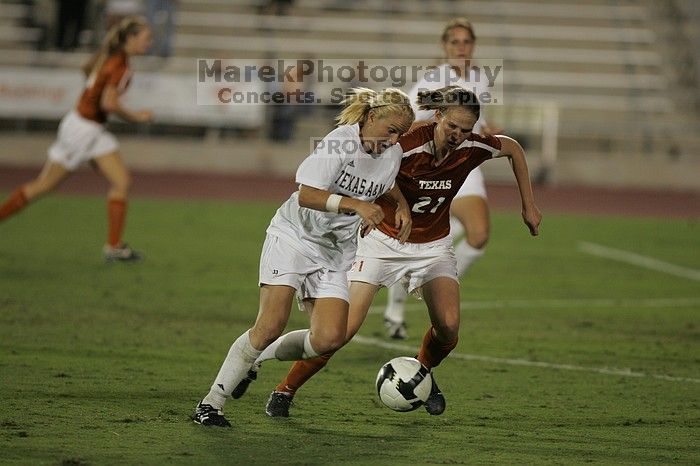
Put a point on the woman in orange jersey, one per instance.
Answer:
(82, 136)
(469, 211)
(436, 160)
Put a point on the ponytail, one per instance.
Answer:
(113, 42)
(448, 97)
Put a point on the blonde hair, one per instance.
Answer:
(114, 42)
(361, 100)
(458, 23)
(449, 97)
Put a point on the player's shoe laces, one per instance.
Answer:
(242, 386)
(207, 415)
(435, 404)
(122, 253)
(278, 404)
(395, 330)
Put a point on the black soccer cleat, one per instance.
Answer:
(435, 404)
(278, 404)
(242, 386)
(207, 415)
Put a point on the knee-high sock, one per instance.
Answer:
(235, 367)
(302, 371)
(396, 303)
(116, 213)
(456, 227)
(433, 351)
(466, 256)
(14, 203)
(291, 346)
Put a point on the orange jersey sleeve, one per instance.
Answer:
(113, 72)
(429, 188)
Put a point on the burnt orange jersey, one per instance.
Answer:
(113, 72)
(429, 188)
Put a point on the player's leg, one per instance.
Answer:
(473, 213)
(52, 174)
(470, 209)
(325, 293)
(113, 169)
(275, 307)
(395, 312)
(441, 295)
(361, 297)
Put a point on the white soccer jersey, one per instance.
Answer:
(338, 165)
(445, 70)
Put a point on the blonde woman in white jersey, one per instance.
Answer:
(469, 211)
(312, 240)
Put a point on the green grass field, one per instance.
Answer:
(564, 357)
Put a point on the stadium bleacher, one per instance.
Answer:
(595, 75)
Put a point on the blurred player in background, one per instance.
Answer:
(82, 136)
(312, 240)
(436, 160)
(469, 212)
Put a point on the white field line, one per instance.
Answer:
(560, 303)
(638, 260)
(524, 362)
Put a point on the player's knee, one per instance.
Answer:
(125, 183)
(478, 238)
(122, 185)
(329, 343)
(447, 330)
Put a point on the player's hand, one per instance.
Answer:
(532, 218)
(371, 215)
(143, 116)
(403, 222)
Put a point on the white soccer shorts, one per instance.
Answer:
(281, 264)
(80, 140)
(383, 260)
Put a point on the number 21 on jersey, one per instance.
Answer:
(423, 204)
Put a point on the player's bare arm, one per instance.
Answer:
(513, 150)
(110, 103)
(317, 199)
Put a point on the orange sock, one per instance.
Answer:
(432, 351)
(116, 213)
(302, 371)
(14, 203)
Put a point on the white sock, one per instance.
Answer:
(291, 346)
(234, 369)
(456, 227)
(466, 256)
(396, 303)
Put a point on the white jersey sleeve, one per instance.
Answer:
(322, 166)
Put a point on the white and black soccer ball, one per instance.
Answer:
(403, 384)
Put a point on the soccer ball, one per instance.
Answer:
(403, 384)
